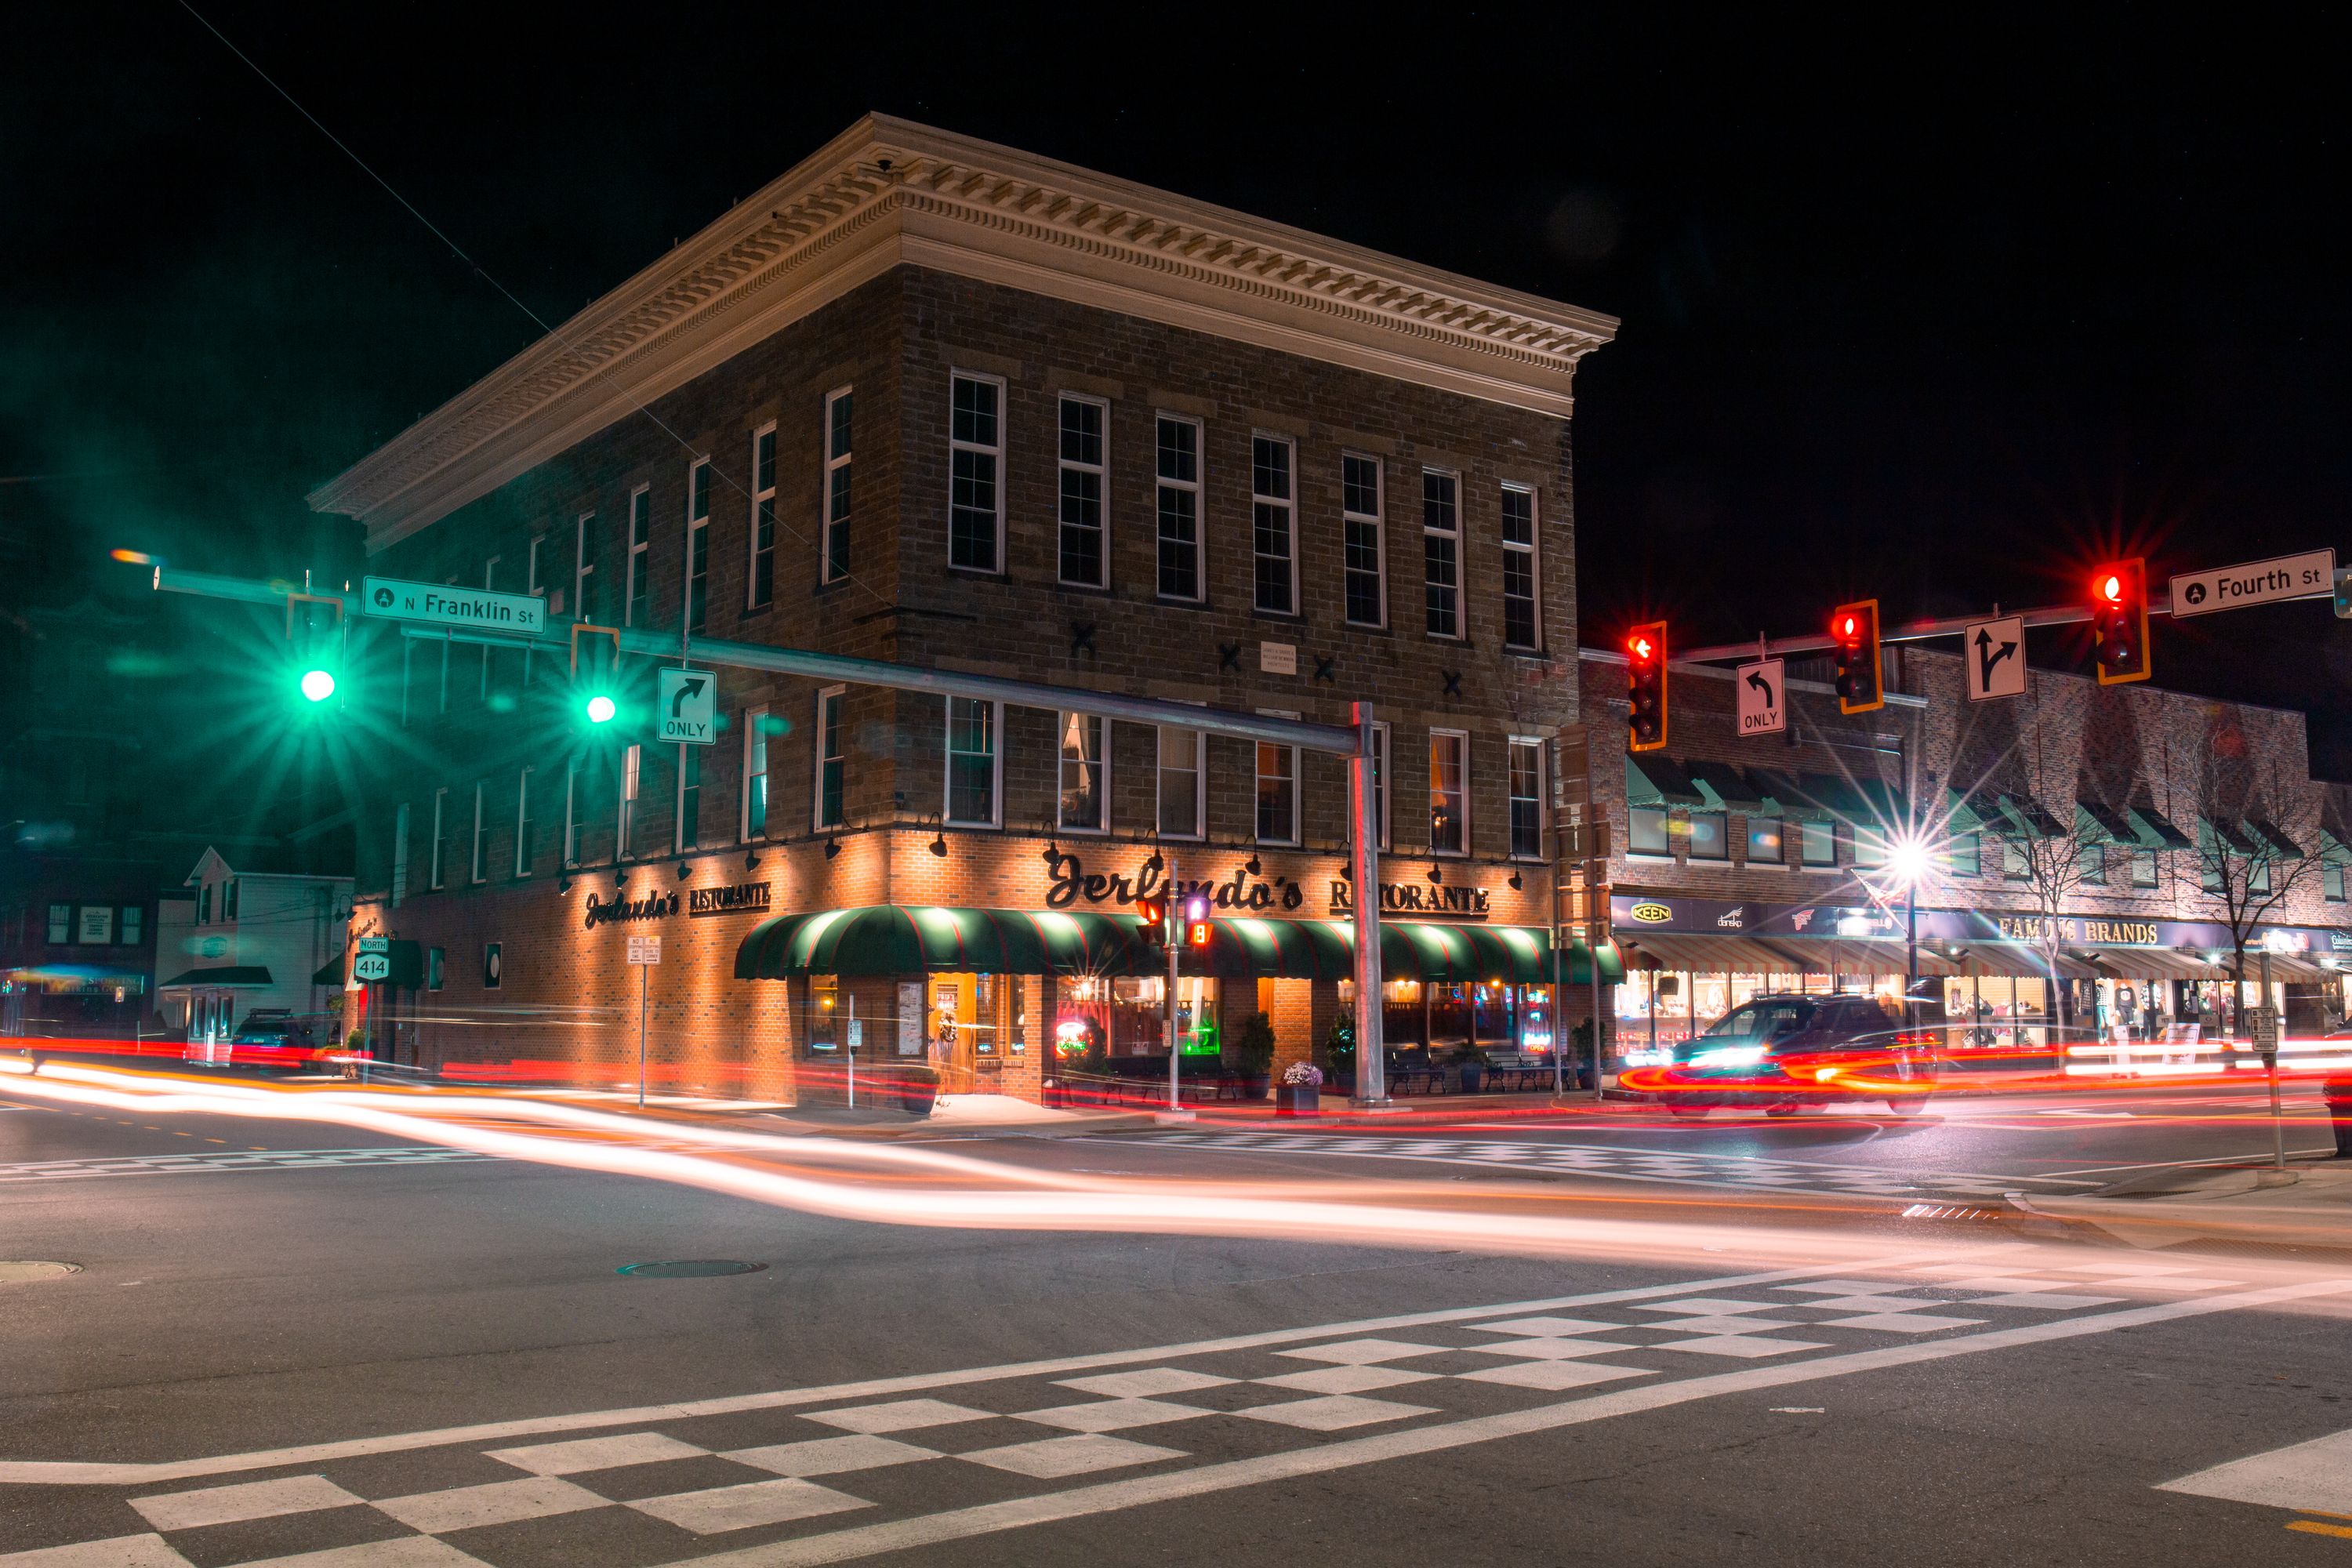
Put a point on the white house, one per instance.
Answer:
(256, 937)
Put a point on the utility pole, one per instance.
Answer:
(1169, 925)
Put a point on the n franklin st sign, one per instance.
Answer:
(445, 605)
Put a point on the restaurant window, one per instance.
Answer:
(755, 774)
(1177, 464)
(2013, 866)
(1965, 855)
(584, 568)
(440, 840)
(1278, 793)
(764, 516)
(1764, 841)
(976, 463)
(1647, 831)
(972, 761)
(133, 926)
(840, 410)
(824, 1019)
(1526, 800)
(624, 825)
(1365, 552)
(689, 833)
(478, 863)
(1086, 773)
(640, 578)
(1084, 476)
(1709, 836)
(1441, 544)
(1816, 844)
(2331, 879)
(832, 756)
(1520, 616)
(2143, 867)
(1182, 793)
(1449, 792)
(1274, 523)
(61, 923)
(522, 822)
(399, 855)
(696, 601)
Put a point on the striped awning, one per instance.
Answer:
(1708, 954)
(1244, 947)
(1860, 955)
(1576, 965)
(2153, 963)
(895, 939)
(2018, 959)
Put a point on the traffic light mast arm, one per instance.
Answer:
(1909, 631)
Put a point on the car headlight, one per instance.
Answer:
(1729, 1057)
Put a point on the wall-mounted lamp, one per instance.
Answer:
(684, 870)
(563, 883)
(1437, 876)
(939, 845)
(1516, 883)
(1252, 865)
(751, 859)
(832, 847)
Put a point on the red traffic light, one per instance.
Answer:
(1645, 687)
(1855, 629)
(1197, 932)
(2111, 588)
(1639, 647)
(2119, 622)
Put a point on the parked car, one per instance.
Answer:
(273, 1036)
(1780, 1053)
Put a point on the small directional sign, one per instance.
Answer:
(687, 706)
(2308, 576)
(1761, 694)
(1994, 657)
(371, 966)
(446, 605)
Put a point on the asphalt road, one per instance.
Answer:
(274, 1350)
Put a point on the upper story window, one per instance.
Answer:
(399, 854)
(1278, 793)
(1526, 800)
(1177, 463)
(204, 905)
(531, 583)
(440, 843)
(1085, 557)
(1709, 836)
(1364, 550)
(1274, 523)
(832, 756)
(1646, 832)
(976, 463)
(696, 565)
(583, 569)
(1441, 544)
(1522, 617)
(134, 919)
(2331, 877)
(1449, 792)
(640, 576)
(1764, 841)
(2014, 863)
(1084, 801)
(764, 516)
(2143, 869)
(625, 827)
(755, 774)
(522, 822)
(1183, 784)
(972, 761)
(840, 411)
(2094, 864)
(1816, 844)
(478, 867)
(62, 921)
(688, 832)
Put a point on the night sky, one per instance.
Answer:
(1934, 316)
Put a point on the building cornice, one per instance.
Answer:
(888, 193)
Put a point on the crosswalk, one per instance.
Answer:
(1608, 1162)
(39, 1171)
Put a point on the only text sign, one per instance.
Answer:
(687, 706)
(1993, 656)
(446, 605)
(1762, 697)
(2311, 574)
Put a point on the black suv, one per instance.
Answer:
(1782, 1052)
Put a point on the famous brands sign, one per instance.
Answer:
(1632, 913)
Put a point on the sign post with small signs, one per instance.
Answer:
(645, 951)
(1762, 697)
(688, 706)
(1992, 657)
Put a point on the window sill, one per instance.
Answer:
(1639, 859)
(1284, 617)
(956, 571)
(1174, 603)
(1099, 590)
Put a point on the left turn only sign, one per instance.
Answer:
(687, 706)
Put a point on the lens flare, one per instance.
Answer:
(601, 709)
(317, 685)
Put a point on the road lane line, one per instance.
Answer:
(959, 1524)
(70, 1472)
(2310, 1478)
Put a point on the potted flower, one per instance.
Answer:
(1473, 1063)
(1251, 1055)
(918, 1088)
(1302, 1089)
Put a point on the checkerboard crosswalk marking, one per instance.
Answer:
(240, 1160)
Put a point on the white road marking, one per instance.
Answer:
(830, 1455)
(595, 1453)
(718, 1509)
(229, 1505)
(2316, 1476)
(499, 1502)
(406, 1551)
(122, 1552)
(1051, 1458)
(960, 1524)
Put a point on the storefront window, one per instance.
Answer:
(824, 1024)
(1126, 1015)
(1647, 834)
(1707, 836)
(1764, 841)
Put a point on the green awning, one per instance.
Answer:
(329, 974)
(2275, 836)
(1652, 780)
(1245, 947)
(1724, 786)
(1976, 812)
(1806, 798)
(2096, 823)
(1576, 965)
(892, 938)
(2155, 832)
(2334, 850)
(2212, 829)
(226, 975)
(2033, 819)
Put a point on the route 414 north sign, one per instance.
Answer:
(1762, 697)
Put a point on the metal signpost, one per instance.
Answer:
(645, 951)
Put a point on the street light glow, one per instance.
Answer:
(1908, 861)
(317, 685)
(601, 709)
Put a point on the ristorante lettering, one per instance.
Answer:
(1072, 882)
(727, 900)
(653, 907)
(1417, 899)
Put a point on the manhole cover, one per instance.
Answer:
(689, 1268)
(12, 1272)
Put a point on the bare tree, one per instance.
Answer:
(2059, 862)
(2243, 877)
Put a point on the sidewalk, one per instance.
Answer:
(955, 1115)
(2313, 1207)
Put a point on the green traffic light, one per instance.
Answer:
(601, 709)
(317, 685)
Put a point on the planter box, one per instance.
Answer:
(1297, 1098)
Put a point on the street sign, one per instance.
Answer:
(375, 944)
(645, 950)
(445, 605)
(371, 966)
(2266, 1023)
(1761, 698)
(1993, 659)
(2307, 576)
(687, 705)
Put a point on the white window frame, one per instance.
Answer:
(700, 477)
(1454, 537)
(639, 573)
(1533, 551)
(531, 565)
(1543, 793)
(820, 756)
(762, 496)
(1258, 750)
(1197, 486)
(1065, 465)
(570, 856)
(1102, 770)
(522, 822)
(996, 452)
(835, 462)
(1462, 736)
(1384, 762)
(478, 870)
(996, 765)
(755, 776)
(1200, 784)
(490, 574)
(399, 854)
(581, 567)
(1377, 520)
(677, 816)
(440, 804)
(625, 819)
(1289, 507)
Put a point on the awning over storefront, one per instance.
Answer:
(73, 980)
(2287, 966)
(1576, 965)
(1724, 786)
(329, 972)
(2097, 824)
(2154, 963)
(228, 974)
(1650, 780)
(2018, 959)
(1707, 955)
(894, 939)
(2155, 832)
(1862, 955)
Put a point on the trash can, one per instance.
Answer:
(2339, 1112)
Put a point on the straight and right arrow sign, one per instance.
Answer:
(1993, 652)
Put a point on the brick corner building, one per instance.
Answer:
(932, 401)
